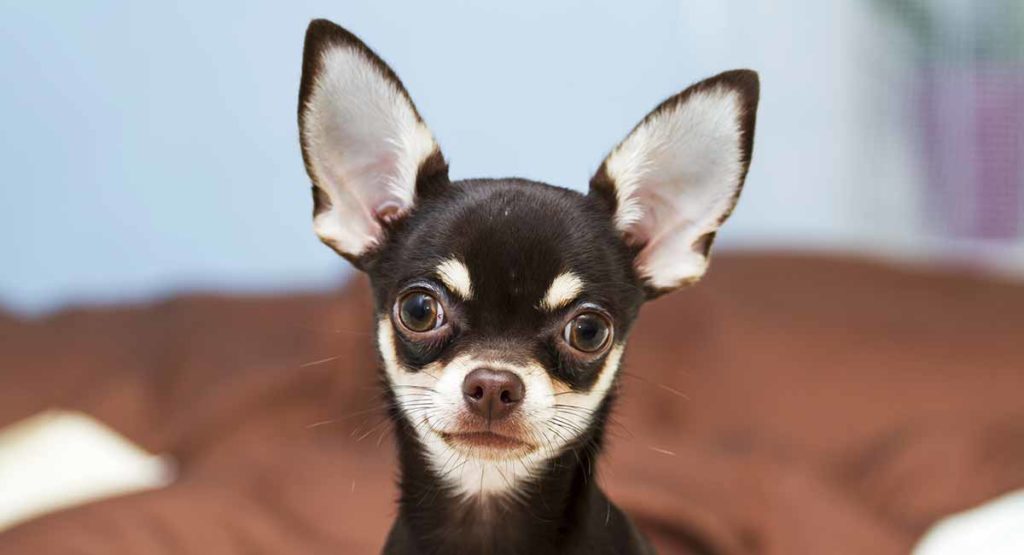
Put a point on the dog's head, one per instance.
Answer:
(503, 305)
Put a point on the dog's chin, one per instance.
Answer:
(487, 445)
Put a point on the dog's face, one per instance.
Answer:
(502, 311)
(503, 306)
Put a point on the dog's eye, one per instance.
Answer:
(420, 312)
(588, 332)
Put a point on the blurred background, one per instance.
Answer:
(151, 148)
(851, 369)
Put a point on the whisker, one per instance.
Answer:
(564, 406)
(661, 386)
(373, 429)
(410, 386)
(321, 361)
(660, 450)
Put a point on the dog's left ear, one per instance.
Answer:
(366, 149)
(676, 178)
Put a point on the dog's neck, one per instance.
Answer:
(562, 511)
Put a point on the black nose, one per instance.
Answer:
(492, 394)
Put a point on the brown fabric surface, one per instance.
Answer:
(786, 405)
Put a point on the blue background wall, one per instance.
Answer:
(148, 149)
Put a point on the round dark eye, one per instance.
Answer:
(589, 332)
(420, 312)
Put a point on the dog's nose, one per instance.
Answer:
(493, 394)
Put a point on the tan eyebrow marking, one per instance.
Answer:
(563, 290)
(455, 276)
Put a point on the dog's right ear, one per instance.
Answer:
(365, 147)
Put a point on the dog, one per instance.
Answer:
(503, 305)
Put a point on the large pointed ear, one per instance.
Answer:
(672, 182)
(365, 147)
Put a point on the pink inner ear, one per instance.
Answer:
(381, 201)
(640, 232)
(632, 239)
(388, 211)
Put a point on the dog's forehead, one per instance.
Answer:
(507, 242)
(511, 246)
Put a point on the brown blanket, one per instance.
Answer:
(786, 405)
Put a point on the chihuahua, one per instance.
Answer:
(503, 305)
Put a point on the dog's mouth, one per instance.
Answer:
(487, 444)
